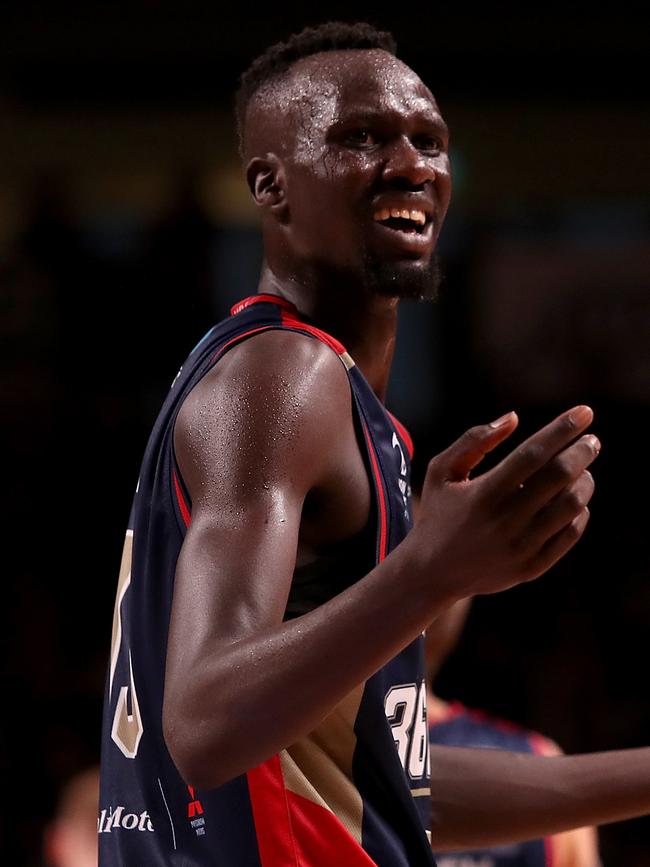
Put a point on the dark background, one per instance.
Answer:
(125, 230)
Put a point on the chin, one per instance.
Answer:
(405, 279)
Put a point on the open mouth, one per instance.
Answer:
(411, 222)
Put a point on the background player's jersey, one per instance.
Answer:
(353, 792)
(473, 728)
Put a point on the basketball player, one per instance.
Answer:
(265, 700)
(453, 724)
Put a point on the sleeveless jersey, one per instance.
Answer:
(473, 728)
(355, 791)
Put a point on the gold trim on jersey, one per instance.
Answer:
(319, 767)
(123, 583)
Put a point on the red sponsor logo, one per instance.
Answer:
(194, 808)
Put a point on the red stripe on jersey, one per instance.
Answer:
(321, 838)
(380, 494)
(256, 299)
(405, 435)
(239, 338)
(289, 316)
(182, 505)
(275, 839)
(549, 851)
(323, 336)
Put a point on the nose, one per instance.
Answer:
(406, 162)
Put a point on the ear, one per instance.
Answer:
(267, 182)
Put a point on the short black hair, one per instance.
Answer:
(278, 58)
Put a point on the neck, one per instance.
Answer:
(365, 324)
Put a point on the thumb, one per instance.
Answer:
(456, 462)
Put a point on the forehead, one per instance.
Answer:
(334, 84)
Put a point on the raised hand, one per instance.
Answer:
(513, 522)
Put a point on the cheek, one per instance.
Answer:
(329, 226)
(443, 185)
(327, 194)
(315, 221)
(329, 205)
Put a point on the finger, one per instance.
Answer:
(456, 462)
(560, 512)
(537, 450)
(558, 475)
(557, 546)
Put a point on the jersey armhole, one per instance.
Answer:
(179, 492)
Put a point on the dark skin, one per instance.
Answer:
(575, 848)
(275, 476)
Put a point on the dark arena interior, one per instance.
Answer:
(126, 230)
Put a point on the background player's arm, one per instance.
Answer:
(272, 423)
(492, 797)
(578, 847)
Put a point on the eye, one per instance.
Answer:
(428, 143)
(360, 138)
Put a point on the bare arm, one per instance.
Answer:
(252, 444)
(579, 846)
(489, 797)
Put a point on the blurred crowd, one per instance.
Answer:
(91, 339)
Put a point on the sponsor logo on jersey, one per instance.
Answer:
(195, 813)
(118, 819)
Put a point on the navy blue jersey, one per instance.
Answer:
(472, 728)
(353, 792)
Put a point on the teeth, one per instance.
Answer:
(415, 216)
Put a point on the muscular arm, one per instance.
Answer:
(273, 424)
(270, 425)
(489, 797)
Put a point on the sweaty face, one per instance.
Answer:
(367, 172)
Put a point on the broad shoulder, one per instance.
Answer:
(272, 403)
(283, 352)
(280, 371)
